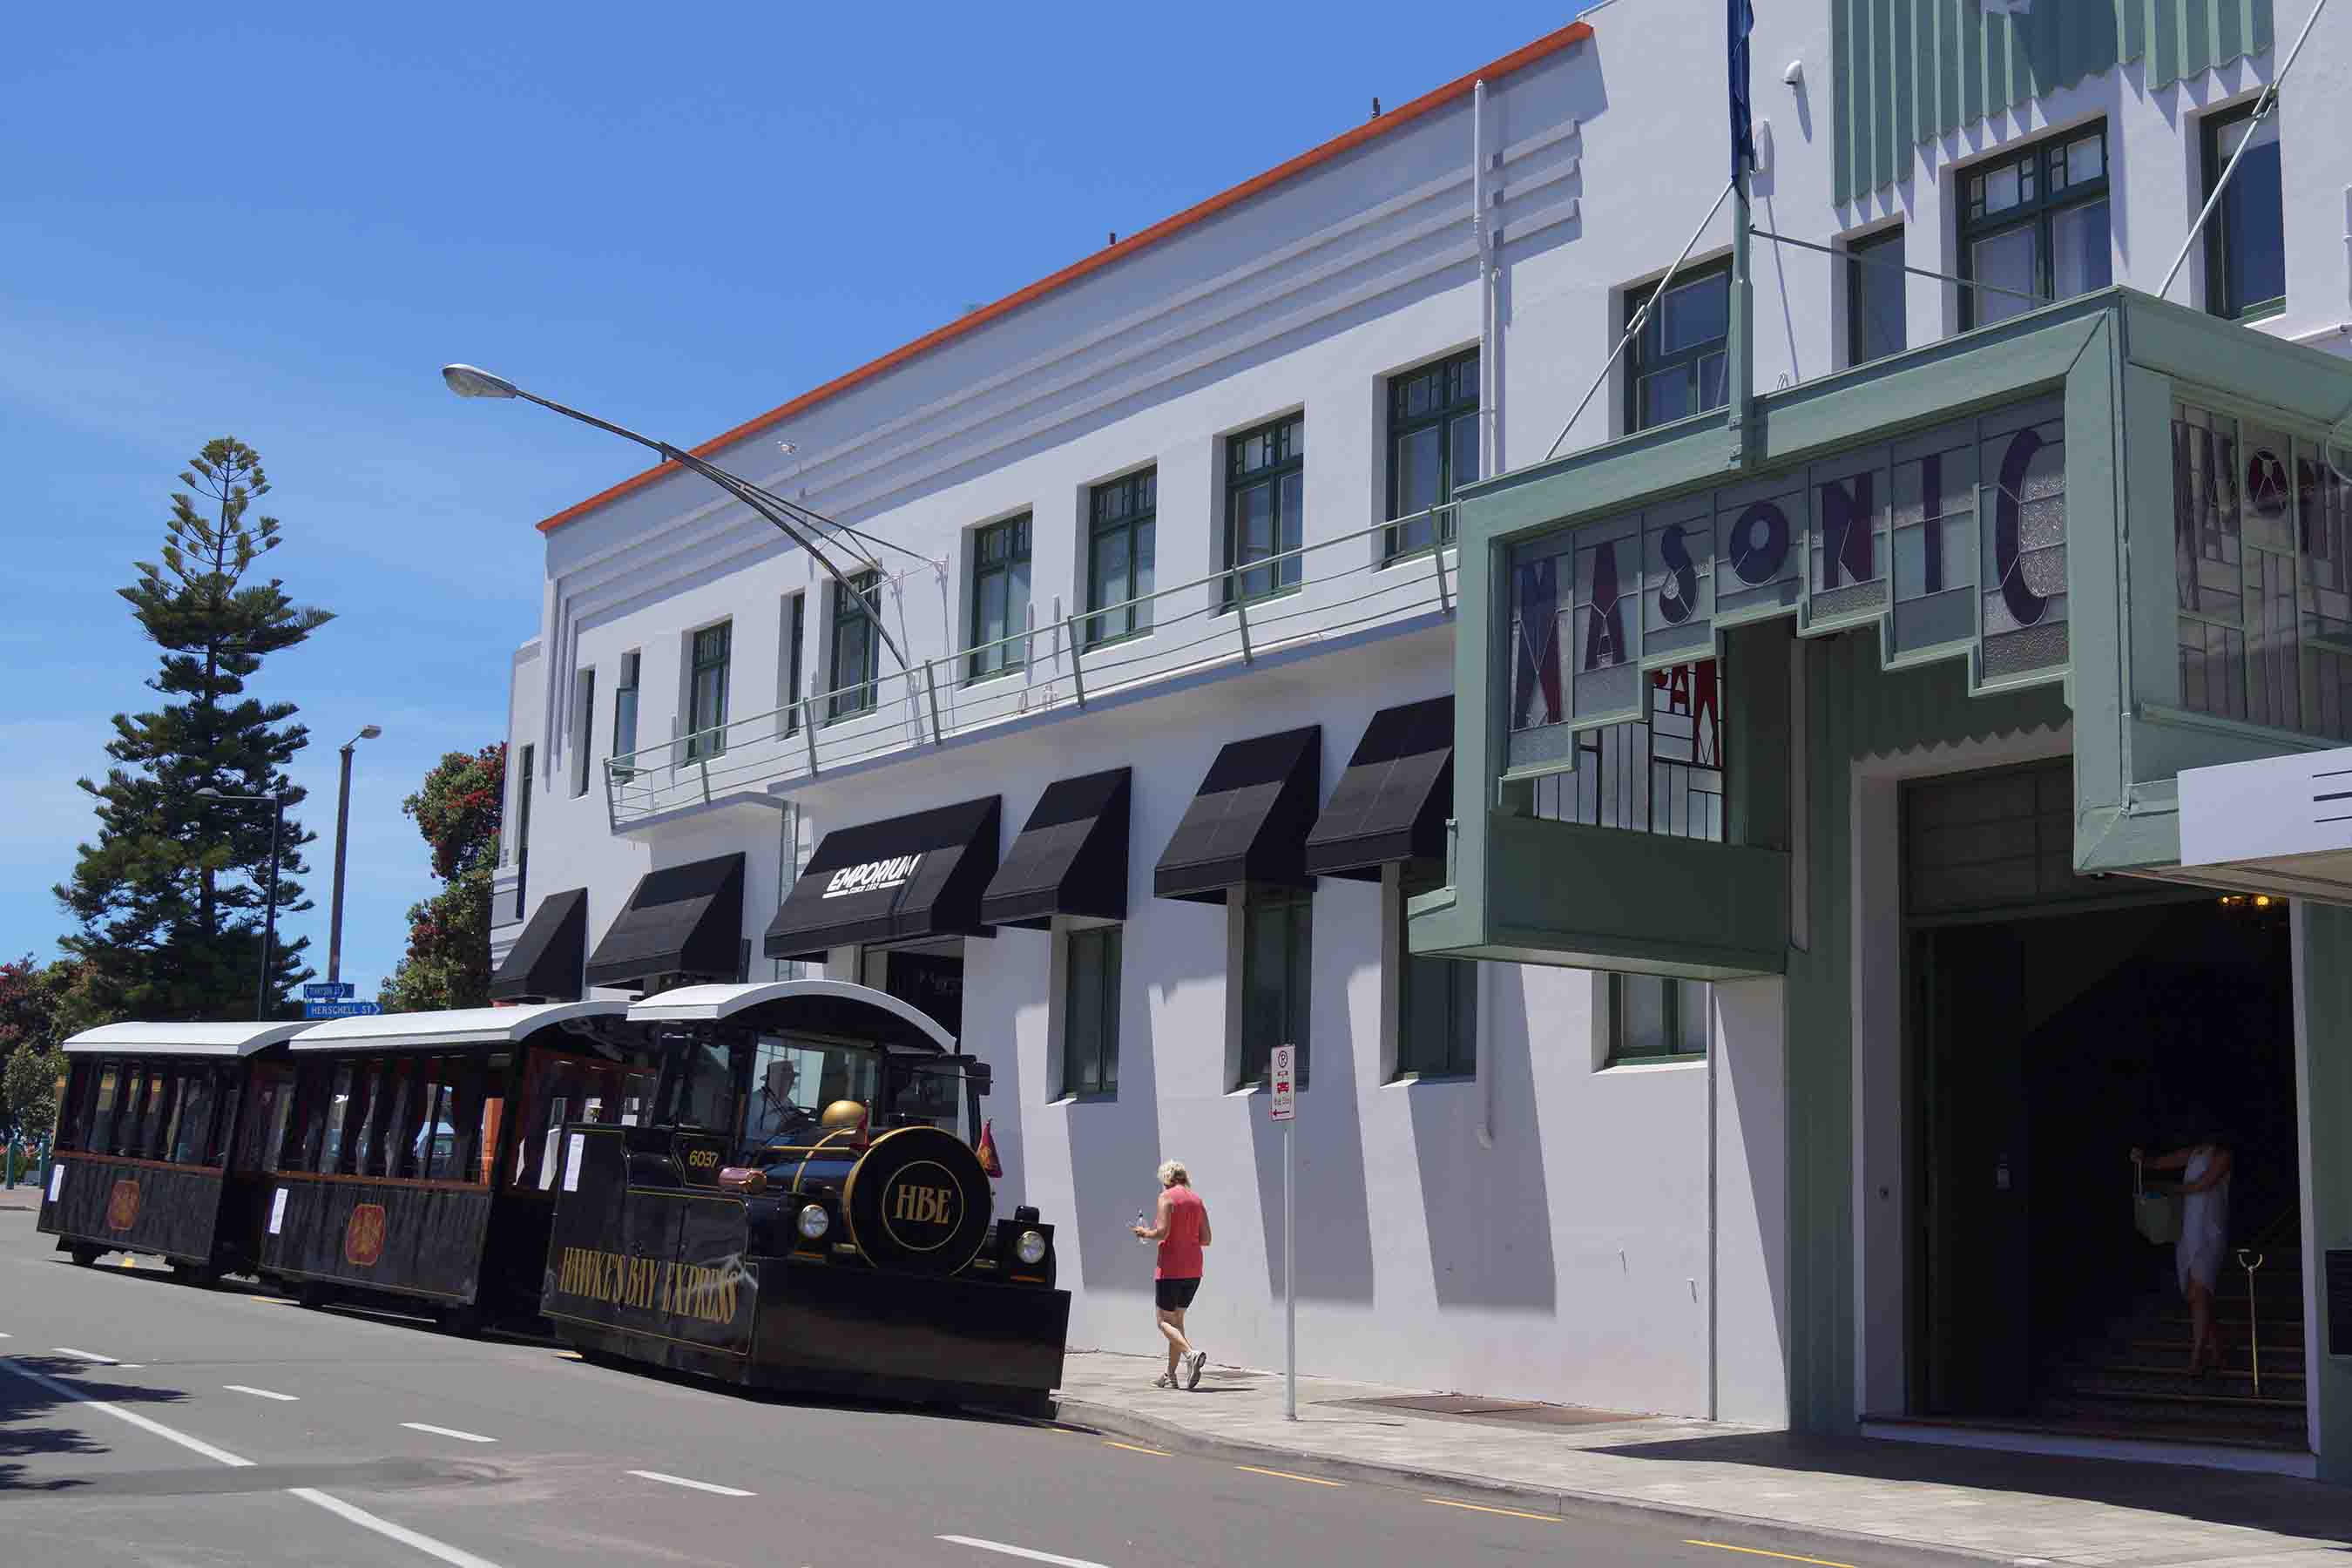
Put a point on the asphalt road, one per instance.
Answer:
(143, 1421)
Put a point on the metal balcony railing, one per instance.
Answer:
(1240, 614)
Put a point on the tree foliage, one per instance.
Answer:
(457, 811)
(38, 1007)
(171, 899)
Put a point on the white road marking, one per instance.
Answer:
(259, 1392)
(697, 1486)
(386, 1528)
(67, 1391)
(86, 1355)
(1034, 1556)
(334, 1505)
(447, 1432)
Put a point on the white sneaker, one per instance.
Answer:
(1193, 1365)
(1165, 1380)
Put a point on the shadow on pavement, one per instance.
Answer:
(2281, 1504)
(23, 1401)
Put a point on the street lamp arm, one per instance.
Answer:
(773, 508)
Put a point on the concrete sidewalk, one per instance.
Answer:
(1877, 1497)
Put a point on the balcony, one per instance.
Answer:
(1221, 623)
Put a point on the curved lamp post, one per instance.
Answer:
(343, 832)
(789, 517)
(276, 803)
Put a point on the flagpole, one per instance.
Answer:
(1740, 350)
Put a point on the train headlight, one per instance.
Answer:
(814, 1222)
(1030, 1249)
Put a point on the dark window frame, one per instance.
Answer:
(2039, 210)
(522, 831)
(1127, 507)
(851, 624)
(1861, 268)
(795, 632)
(2217, 255)
(1009, 539)
(1642, 360)
(1285, 437)
(1456, 1056)
(1671, 1008)
(1451, 385)
(1297, 905)
(1090, 1045)
(583, 743)
(624, 708)
(710, 650)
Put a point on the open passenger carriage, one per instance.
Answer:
(417, 1156)
(805, 1209)
(159, 1143)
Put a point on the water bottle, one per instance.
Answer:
(1139, 1222)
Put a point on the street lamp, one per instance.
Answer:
(276, 803)
(343, 831)
(790, 517)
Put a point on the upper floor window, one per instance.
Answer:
(788, 666)
(1121, 516)
(1676, 365)
(853, 646)
(1000, 597)
(2034, 222)
(522, 831)
(625, 715)
(1266, 489)
(584, 727)
(706, 691)
(1875, 303)
(1433, 449)
(2245, 240)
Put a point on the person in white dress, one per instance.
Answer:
(2204, 1239)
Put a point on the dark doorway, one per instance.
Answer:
(2050, 1036)
(928, 975)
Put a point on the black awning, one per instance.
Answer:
(1248, 823)
(544, 966)
(682, 920)
(1070, 857)
(1392, 802)
(920, 875)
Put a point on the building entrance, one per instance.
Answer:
(927, 974)
(2056, 1023)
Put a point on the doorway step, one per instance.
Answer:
(2129, 1381)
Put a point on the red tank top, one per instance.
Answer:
(1179, 1251)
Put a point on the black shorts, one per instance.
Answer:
(1175, 1295)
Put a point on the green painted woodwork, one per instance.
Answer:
(2323, 967)
(1905, 71)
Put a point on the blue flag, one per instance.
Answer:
(1740, 20)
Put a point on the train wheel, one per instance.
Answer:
(465, 1322)
(188, 1273)
(85, 1255)
(310, 1293)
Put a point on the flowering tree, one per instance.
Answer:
(449, 959)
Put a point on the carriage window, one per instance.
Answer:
(170, 1097)
(140, 1127)
(928, 1092)
(370, 1087)
(101, 1125)
(396, 1091)
(189, 1144)
(433, 1150)
(705, 1094)
(228, 1093)
(485, 1144)
(333, 1131)
(793, 1080)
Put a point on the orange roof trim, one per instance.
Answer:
(1551, 44)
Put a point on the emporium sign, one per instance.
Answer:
(1951, 540)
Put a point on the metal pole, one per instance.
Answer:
(1290, 1271)
(343, 832)
(269, 916)
(1742, 346)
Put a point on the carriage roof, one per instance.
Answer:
(235, 1038)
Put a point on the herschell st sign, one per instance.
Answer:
(1952, 540)
(874, 876)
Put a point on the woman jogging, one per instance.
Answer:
(1180, 1227)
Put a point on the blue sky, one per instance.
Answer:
(277, 222)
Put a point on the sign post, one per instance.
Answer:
(1282, 1071)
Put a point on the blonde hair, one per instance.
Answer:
(1172, 1173)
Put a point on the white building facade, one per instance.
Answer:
(1172, 511)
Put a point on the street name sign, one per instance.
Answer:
(329, 991)
(341, 1009)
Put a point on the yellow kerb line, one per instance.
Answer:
(1286, 1475)
(1760, 1551)
(1133, 1449)
(1481, 1508)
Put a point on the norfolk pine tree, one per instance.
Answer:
(170, 896)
